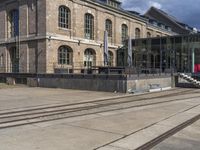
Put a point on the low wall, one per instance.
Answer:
(143, 83)
(97, 82)
(92, 84)
(10, 81)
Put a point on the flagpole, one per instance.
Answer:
(18, 35)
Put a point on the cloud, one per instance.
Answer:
(186, 11)
(155, 4)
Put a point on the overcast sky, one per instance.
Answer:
(186, 11)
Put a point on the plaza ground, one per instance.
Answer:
(127, 124)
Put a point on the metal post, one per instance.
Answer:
(174, 57)
(171, 62)
(193, 60)
(19, 46)
(160, 57)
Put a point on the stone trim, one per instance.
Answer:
(56, 37)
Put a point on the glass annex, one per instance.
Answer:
(179, 53)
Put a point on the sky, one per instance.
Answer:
(186, 11)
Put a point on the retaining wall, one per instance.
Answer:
(92, 83)
(144, 83)
(108, 83)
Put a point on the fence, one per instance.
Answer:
(138, 68)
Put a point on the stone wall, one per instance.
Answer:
(112, 83)
(142, 84)
(107, 83)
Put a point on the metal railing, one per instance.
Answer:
(138, 68)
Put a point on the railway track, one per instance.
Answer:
(12, 118)
(159, 138)
(149, 145)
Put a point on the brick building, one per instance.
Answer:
(45, 36)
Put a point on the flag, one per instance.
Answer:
(105, 48)
(129, 59)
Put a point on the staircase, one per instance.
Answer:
(189, 79)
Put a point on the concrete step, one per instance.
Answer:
(189, 79)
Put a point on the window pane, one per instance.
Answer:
(89, 26)
(137, 33)
(124, 33)
(64, 17)
(65, 55)
(109, 27)
(14, 23)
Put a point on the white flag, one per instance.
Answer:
(129, 59)
(105, 48)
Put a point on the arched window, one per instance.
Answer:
(137, 33)
(110, 58)
(109, 27)
(89, 26)
(65, 55)
(124, 33)
(64, 19)
(89, 58)
(13, 23)
(148, 34)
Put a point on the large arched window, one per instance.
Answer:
(137, 33)
(65, 55)
(89, 58)
(64, 18)
(13, 23)
(124, 33)
(108, 26)
(89, 26)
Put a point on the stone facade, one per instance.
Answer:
(40, 36)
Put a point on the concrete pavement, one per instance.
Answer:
(112, 130)
(187, 139)
(23, 97)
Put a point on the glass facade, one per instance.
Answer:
(163, 54)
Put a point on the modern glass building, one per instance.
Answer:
(179, 53)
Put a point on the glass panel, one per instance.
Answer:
(124, 33)
(64, 17)
(65, 55)
(89, 26)
(14, 23)
(109, 27)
